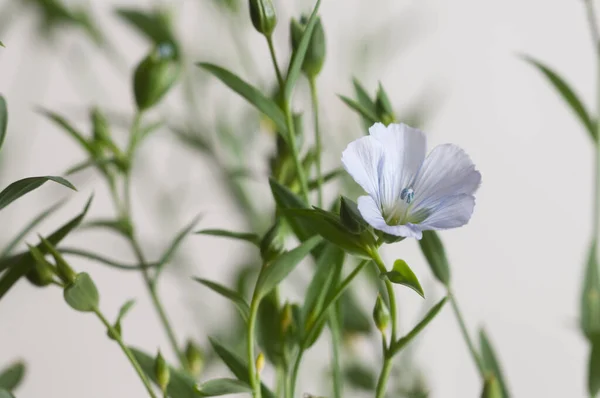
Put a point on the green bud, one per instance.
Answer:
(271, 244)
(260, 362)
(262, 13)
(491, 388)
(350, 216)
(42, 273)
(155, 75)
(195, 359)
(383, 107)
(64, 270)
(162, 372)
(315, 53)
(381, 315)
(287, 318)
(100, 126)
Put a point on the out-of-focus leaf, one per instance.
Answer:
(19, 188)
(90, 163)
(402, 342)
(235, 297)
(491, 364)
(11, 377)
(72, 131)
(593, 368)
(314, 184)
(27, 229)
(82, 295)
(217, 387)
(403, 275)
(237, 366)
(168, 254)
(5, 394)
(101, 259)
(245, 236)
(365, 113)
(568, 94)
(365, 101)
(122, 227)
(433, 250)
(286, 199)
(21, 264)
(3, 119)
(180, 384)
(153, 25)
(360, 377)
(250, 93)
(590, 297)
(300, 53)
(281, 267)
(268, 328)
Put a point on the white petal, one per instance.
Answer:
(371, 213)
(362, 159)
(447, 171)
(450, 212)
(404, 152)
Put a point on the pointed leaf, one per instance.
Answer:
(314, 184)
(299, 54)
(180, 385)
(250, 93)
(491, 364)
(365, 101)
(568, 94)
(367, 114)
(217, 387)
(491, 388)
(82, 295)
(590, 297)
(236, 365)
(281, 267)
(331, 229)
(19, 188)
(245, 236)
(401, 274)
(3, 119)
(286, 199)
(125, 308)
(433, 250)
(150, 24)
(20, 264)
(401, 343)
(72, 131)
(12, 376)
(235, 297)
(5, 394)
(168, 254)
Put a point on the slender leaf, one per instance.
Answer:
(27, 229)
(125, 308)
(72, 131)
(490, 362)
(180, 385)
(402, 342)
(590, 297)
(21, 264)
(568, 94)
(122, 227)
(168, 254)
(100, 163)
(365, 101)
(299, 54)
(150, 24)
(250, 93)
(19, 188)
(593, 368)
(245, 236)
(433, 250)
(237, 366)
(217, 387)
(235, 297)
(3, 119)
(367, 114)
(403, 275)
(12, 376)
(286, 199)
(281, 267)
(101, 259)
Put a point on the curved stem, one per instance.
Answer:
(383, 377)
(252, 371)
(465, 333)
(315, 104)
(274, 59)
(116, 335)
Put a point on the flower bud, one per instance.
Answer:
(100, 126)
(162, 372)
(155, 75)
(315, 53)
(383, 107)
(195, 359)
(271, 244)
(64, 270)
(287, 317)
(262, 13)
(260, 363)
(42, 273)
(381, 315)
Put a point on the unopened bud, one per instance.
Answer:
(162, 372)
(381, 315)
(155, 75)
(315, 53)
(100, 126)
(262, 13)
(42, 273)
(195, 359)
(65, 272)
(260, 362)
(383, 106)
(286, 318)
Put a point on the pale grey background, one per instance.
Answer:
(517, 266)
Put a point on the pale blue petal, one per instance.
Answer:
(362, 159)
(404, 151)
(450, 212)
(371, 213)
(447, 171)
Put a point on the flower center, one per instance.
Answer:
(407, 195)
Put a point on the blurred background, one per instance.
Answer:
(451, 68)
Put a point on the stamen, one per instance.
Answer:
(407, 195)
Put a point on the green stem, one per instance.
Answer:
(294, 375)
(252, 371)
(116, 335)
(315, 104)
(334, 327)
(465, 333)
(383, 377)
(275, 63)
